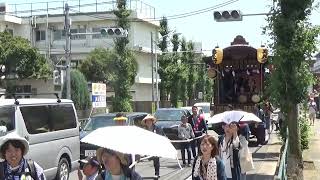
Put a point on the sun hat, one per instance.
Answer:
(149, 116)
(14, 136)
(121, 156)
(90, 160)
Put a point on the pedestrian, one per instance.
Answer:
(121, 119)
(115, 166)
(15, 166)
(312, 111)
(229, 145)
(90, 168)
(208, 166)
(150, 122)
(267, 115)
(185, 132)
(199, 127)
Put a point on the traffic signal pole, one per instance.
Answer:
(67, 50)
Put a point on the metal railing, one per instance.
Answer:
(83, 6)
(282, 171)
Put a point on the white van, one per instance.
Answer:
(52, 129)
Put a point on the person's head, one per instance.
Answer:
(149, 120)
(228, 127)
(209, 146)
(184, 119)
(113, 161)
(229, 107)
(194, 110)
(90, 166)
(120, 119)
(13, 149)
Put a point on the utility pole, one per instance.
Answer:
(157, 83)
(152, 66)
(67, 50)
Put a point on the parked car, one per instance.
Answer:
(50, 126)
(169, 119)
(103, 120)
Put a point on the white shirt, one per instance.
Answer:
(226, 155)
(116, 177)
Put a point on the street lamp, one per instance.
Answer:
(156, 67)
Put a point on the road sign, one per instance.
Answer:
(99, 95)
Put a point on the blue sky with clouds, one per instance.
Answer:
(202, 27)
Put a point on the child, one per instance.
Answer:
(185, 132)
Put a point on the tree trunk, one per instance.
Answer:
(295, 161)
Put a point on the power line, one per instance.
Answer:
(171, 17)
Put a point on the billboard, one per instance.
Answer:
(99, 95)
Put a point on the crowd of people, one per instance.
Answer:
(211, 158)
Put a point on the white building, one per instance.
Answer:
(43, 25)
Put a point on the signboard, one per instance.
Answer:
(99, 95)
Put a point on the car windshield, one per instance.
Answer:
(6, 119)
(99, 121)
(205, 109)
(169, 115)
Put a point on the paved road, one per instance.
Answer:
(265, 160)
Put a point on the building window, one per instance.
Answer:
(81, 30)
(59, 34)
(40, 35)
(96, 36)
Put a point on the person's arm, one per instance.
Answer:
(191, 131)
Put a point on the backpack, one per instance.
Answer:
(31, 167)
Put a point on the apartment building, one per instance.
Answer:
(43, 24)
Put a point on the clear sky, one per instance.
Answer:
(203, 28)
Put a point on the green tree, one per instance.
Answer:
(79, 90)
(164, 60)
(184, 72)
(175, 71)
(21, 59)
(99, 66)
(125, 63)
(294, 41)
(191, 71)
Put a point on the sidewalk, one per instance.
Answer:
(311, 156)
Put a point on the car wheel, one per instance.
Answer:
(63, 170)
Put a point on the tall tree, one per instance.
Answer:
(99, 66)
(21, 59)
(191, 71)
(126, 65)
(184, 72)
(175, 71)
(164, 59)
(293, 42)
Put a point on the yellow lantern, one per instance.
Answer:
(262, 54)
(217, 55)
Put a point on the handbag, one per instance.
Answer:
(245, 156)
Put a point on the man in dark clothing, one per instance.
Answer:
(199, 127)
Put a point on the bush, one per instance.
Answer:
(79, 91)
(304, 132)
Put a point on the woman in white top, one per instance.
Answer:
(229, 145)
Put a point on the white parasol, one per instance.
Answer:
(233, 116)
(132, 140)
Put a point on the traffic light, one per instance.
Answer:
(114, 32)
(217, 55)
(262, 54)
(56, 77)
(223, 16)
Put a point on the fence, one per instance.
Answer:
(282, 171)
(76, 6)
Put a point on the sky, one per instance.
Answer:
(203, 28)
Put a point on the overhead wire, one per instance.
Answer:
(170, 17)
